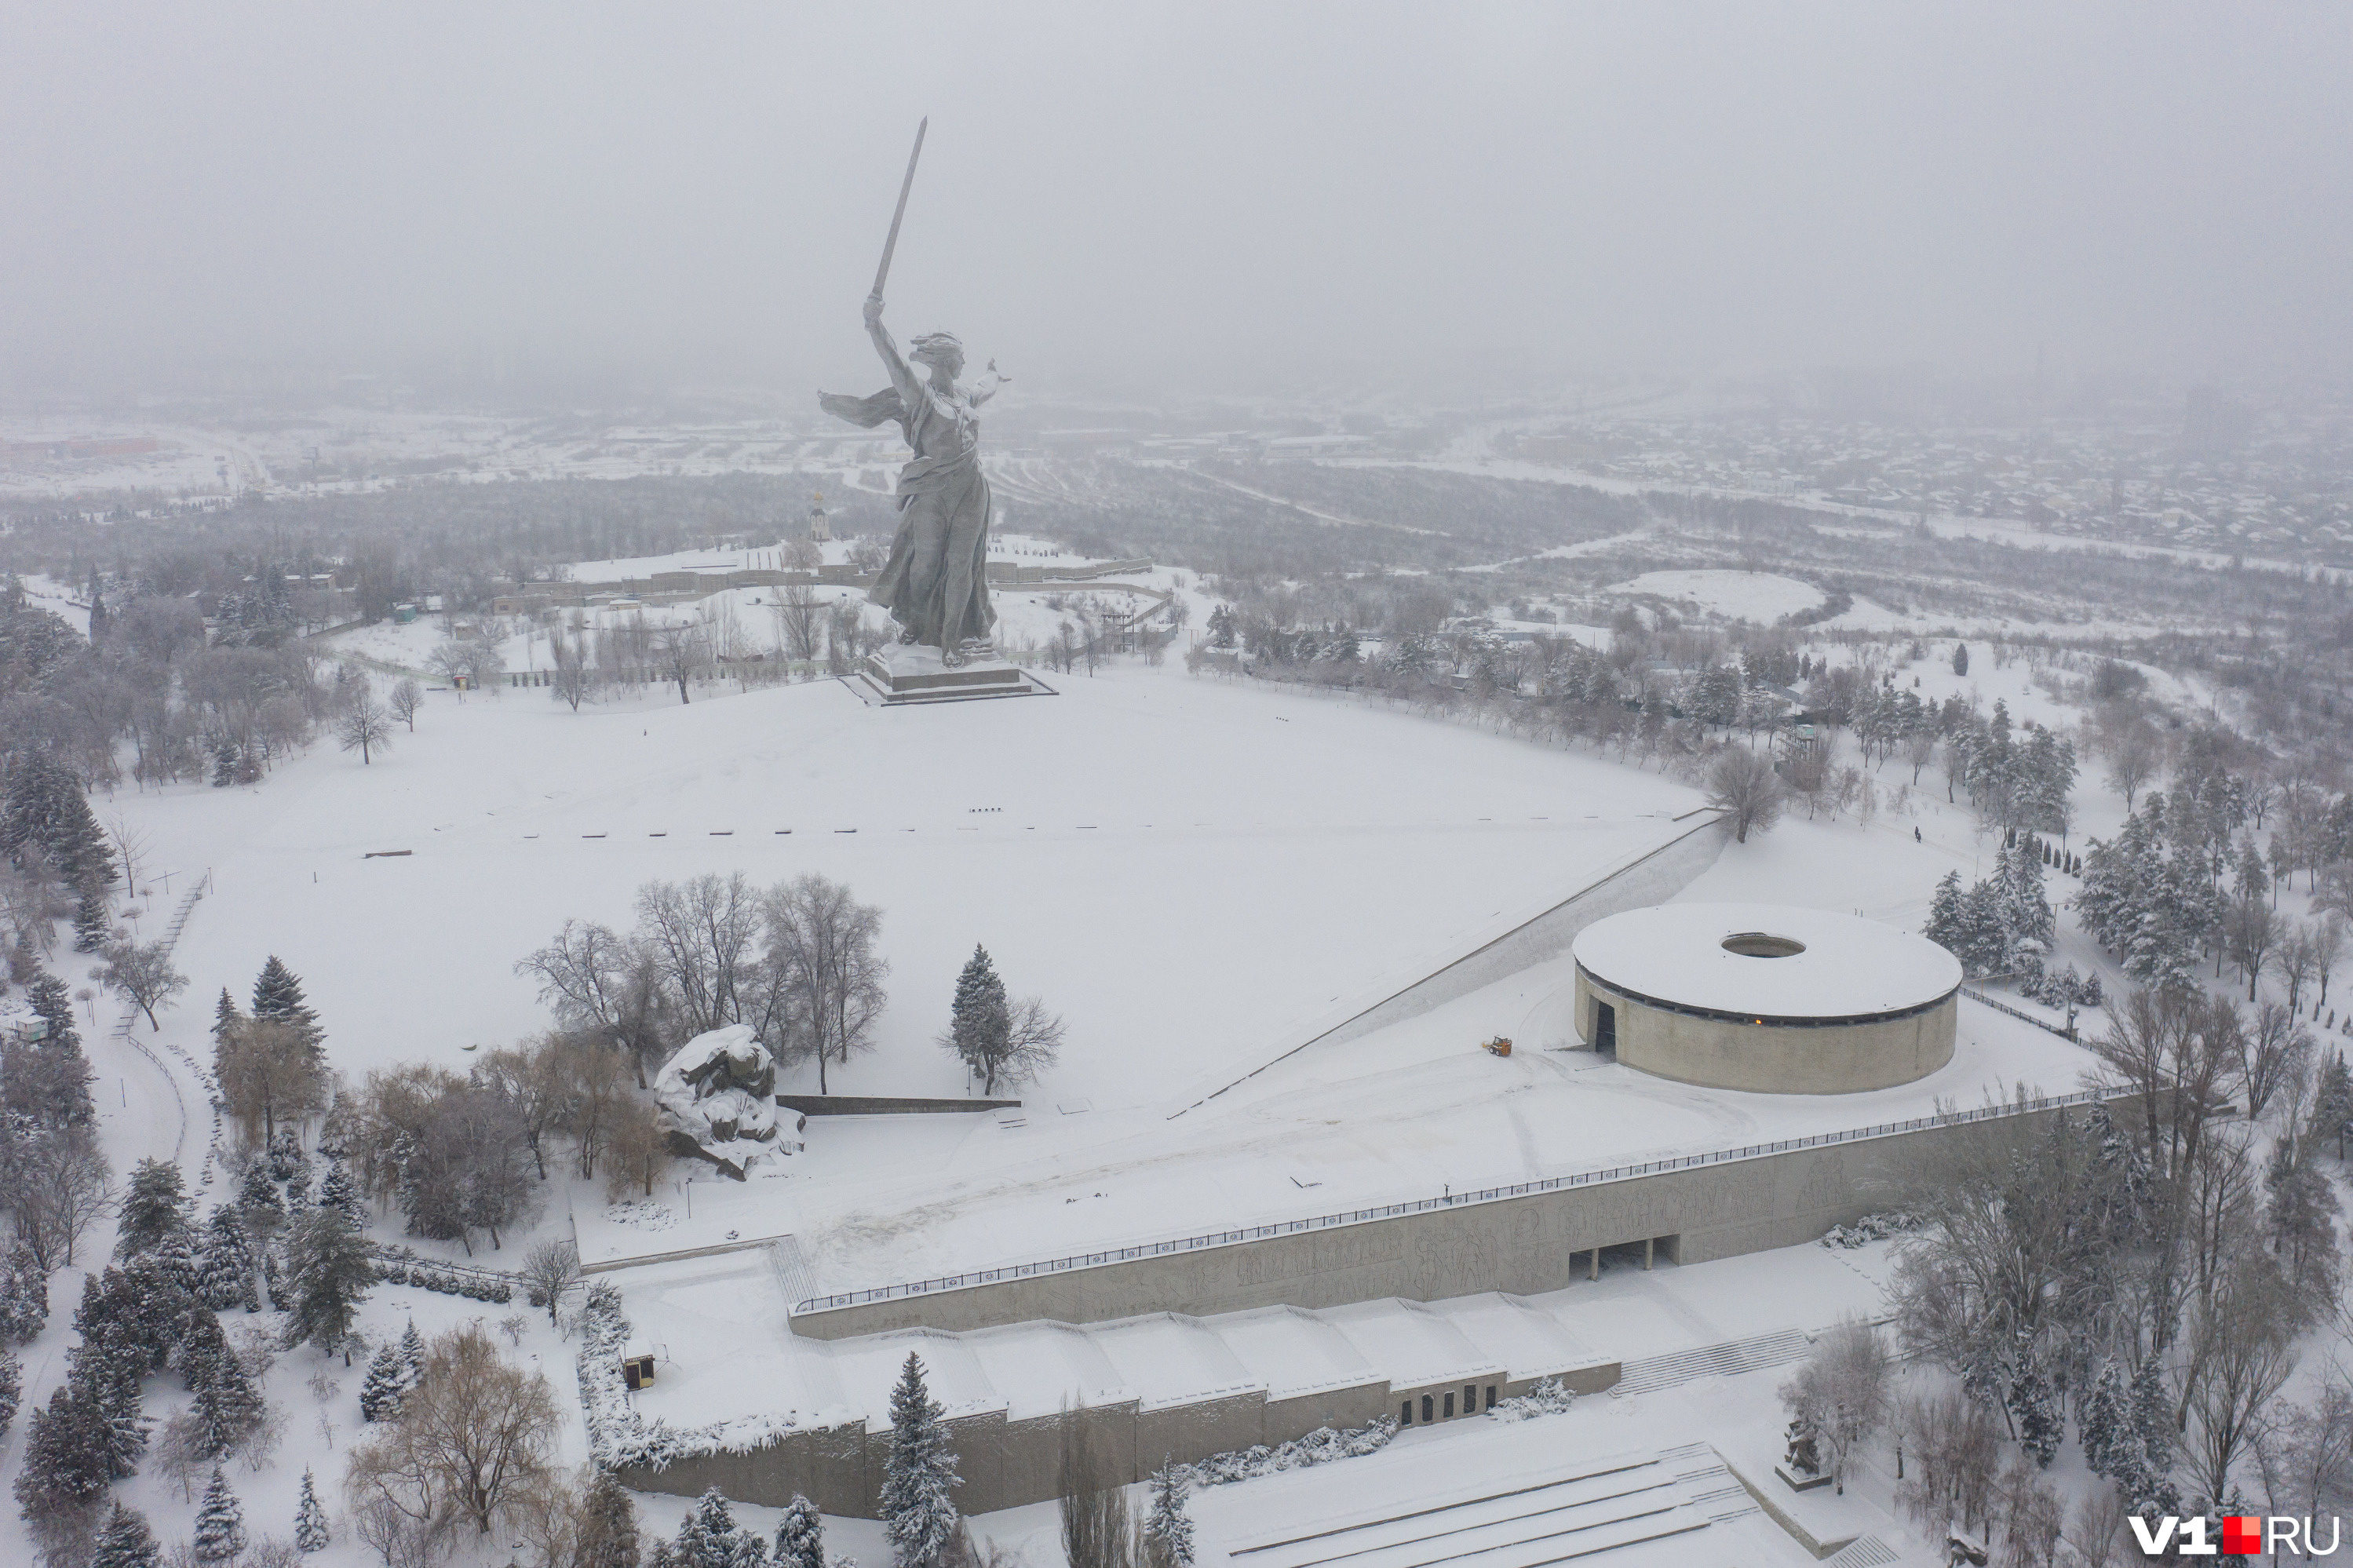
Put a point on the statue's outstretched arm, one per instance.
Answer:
(902, 376)
(986, 384)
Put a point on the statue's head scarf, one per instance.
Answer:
(935, 348)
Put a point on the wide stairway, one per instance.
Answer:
(1632, 1510)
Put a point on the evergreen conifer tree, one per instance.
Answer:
(2332, 1100)
(126, 1542)
(94, 919)
(153, 1205)
(24, 1296)
(800, 1535)
(224, 1263)
(412, 1352)
(332, 1271)
(1168, 1531)
(278, 993)
(980, 1019)
(219, 1534)
(387, 1380)
(608, 1526)
(67, 1455)
(339, 1190)
(54, 1005)
(310, 1533)
(257, 1194)
(124, 1336)
(1944, 926)
(227, 1405)
(707, 1536)
(2034, 1407)
(11, 1386)
(919, 1514)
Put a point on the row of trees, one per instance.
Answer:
(795, 962)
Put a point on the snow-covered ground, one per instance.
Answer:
(1761, 597)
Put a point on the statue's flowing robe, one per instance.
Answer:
(936, 581)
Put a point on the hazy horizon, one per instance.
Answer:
(1195, 198)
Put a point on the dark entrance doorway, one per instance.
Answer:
(1605, 1029)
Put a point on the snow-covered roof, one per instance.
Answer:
(1845, 967)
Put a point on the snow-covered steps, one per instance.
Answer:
(1727, 1358)
(1867, 1552)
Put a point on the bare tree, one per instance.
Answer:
(2133, 758)
(1097, 1531)
(637, 1151)
(2327, 950)
(1840, 1393)
(2097, 1528)
(574, 678)
(2250, 933)
(1033, 1041)
(142, 974)
(2297, 957)
(821, 949)
(551, 1269)
(53, 1181)
(407, 697)
(2243, 1349)
(268, 1071)
(681, 654)
(473, 1437)
(601, 981)
(2305, 1454)
(799, 616)
(1743, 787)
(2272, 1050)
(703, 930)
(365, 728)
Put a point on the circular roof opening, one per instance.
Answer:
(1759, 944)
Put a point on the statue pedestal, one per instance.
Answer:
(900, 675)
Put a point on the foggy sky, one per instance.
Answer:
(1225, 197)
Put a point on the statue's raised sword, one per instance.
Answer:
(892, 244)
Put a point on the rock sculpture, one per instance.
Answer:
(718, 1099)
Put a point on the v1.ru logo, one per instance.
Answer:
(2243, 1535)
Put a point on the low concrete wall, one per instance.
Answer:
(1009, 1463)
(1770, 1059)
(870, 1105)
(1653, 879)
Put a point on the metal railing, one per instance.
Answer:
(1424, 1206)
(2017, 1013)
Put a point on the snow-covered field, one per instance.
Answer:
(1120, 848)
(1761, 597)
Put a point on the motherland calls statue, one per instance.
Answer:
(935, 584)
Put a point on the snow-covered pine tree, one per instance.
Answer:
(2028, 928)
(412, 1352)
(278, 993)
(310, 1532)
(224, 1263)
(980, 1020)
(153, 1205)
(93, 922)
(12, 1387)
(2332, 1101)
(226, 1404)
(1168, 1531)
(2034, 1407)
(706, 1536)
(330, 1269)
(800, 1535)
(919, 1513)
(119, 1346)
(24, 1296)
(257, 1194)
(219, 1534)
(53, 1004)
(1944, 926)
(284, 1153)
(2149, 1412)
(386, 1380)
(339, 1190)
(298, 1184)
(67, 1455)
(125, 1542)
(608, 1526)
(1985, 937)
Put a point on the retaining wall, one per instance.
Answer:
(1522, 1245)
(1009, 1463)
(870, 1105)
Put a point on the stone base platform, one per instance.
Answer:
(900, 675)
